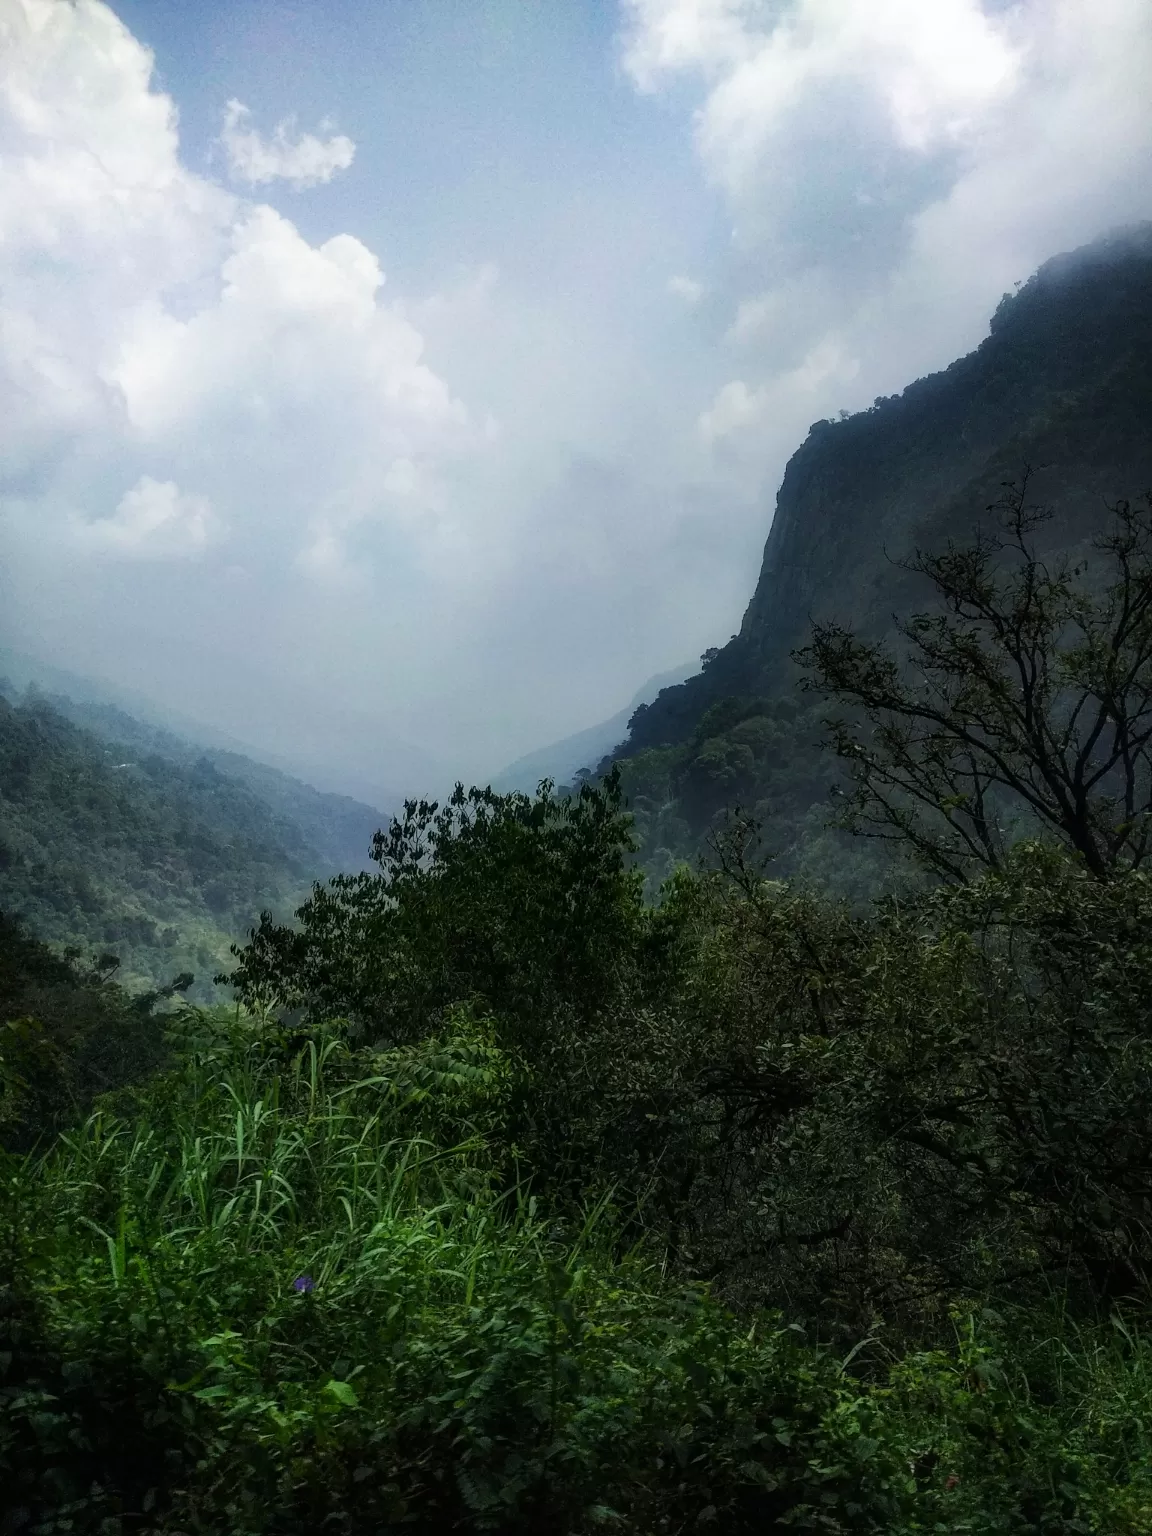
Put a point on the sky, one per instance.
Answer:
(395, 385)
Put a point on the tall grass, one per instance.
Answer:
(294, 1285)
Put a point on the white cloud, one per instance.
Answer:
(150, 321)
(734, 408)
(96, 215)
(669, 35)
(155, 520)
(303, 159)
(891, 167)
(787, 401)
(686, 288)
(932, 68)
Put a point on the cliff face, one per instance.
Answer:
(1063, 383)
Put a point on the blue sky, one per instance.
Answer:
(396, 385)
(471, 121)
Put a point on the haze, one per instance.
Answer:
(395, 387)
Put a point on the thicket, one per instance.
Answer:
(68, 1034)
(506, 1200)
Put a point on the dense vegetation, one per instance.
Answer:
(131, 843)
(1063, 383)
(505, 1200)
(336, 828)
(68, 1033)
(534, 1186)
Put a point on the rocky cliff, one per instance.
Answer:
(1063, 383)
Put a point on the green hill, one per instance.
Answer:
(337, 828)
(121, 838)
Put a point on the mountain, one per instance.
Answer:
(21, 671)
(1062, 384)
(338, 829)
(562, 760)
(383, 769)
(119, 837)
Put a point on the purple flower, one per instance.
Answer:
(303, 1283)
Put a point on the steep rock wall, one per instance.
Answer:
(1063, 383)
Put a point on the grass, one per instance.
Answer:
(293, 1285)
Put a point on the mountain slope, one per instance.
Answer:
(337, 828)
(338, 825)
(116, 849)
(1063, 384)
(562, 760)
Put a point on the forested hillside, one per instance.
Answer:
(132, 843)
(518, 1191)
(337, 828)
(1061, 387)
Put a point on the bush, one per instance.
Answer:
(294, 1305)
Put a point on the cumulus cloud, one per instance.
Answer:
(193, 386)
(302, 159)
(891, 167)
(97, 217)
(155, 520)
(932, 70)
(149, 318)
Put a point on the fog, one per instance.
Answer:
(395, 388)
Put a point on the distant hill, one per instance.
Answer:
(119, 837)
(562, 760)
(384, 777)
(1063, 383)
(338, 829)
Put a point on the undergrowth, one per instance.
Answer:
(294, 1285)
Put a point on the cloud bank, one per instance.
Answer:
(891, 166)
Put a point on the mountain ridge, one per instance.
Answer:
(864, 490)
(1062, 385)
(119, 838)
(561, 760)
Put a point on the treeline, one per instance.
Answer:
(506, 1200)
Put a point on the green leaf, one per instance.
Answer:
(343, 1392)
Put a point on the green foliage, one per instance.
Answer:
(524, 904)
(855, 1112)
(880, 1111)
(163, 864)
(67, 1034)
(1025, 702)
(289, 1292)
(453, 1360)
(747, 755)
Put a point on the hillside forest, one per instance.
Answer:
(121, 840)
(754, 1136)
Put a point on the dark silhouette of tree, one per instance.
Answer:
(1023, 703)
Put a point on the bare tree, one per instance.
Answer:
(1024, 701)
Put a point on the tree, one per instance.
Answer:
(1024, 705)
(526, 904)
